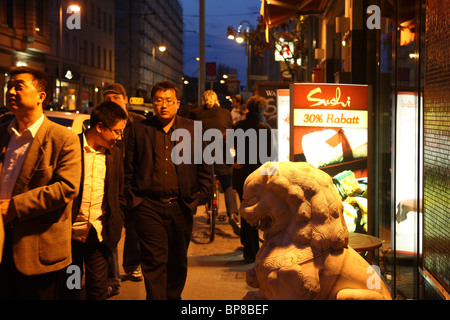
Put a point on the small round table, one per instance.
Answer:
(362, 243)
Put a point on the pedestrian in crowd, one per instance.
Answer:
(115, 92)
(40, 176)
(164, 195)
(213, 116)
(254, 121)
(98, 212)
(239, 109)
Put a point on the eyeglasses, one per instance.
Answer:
(160, 102)
(117, 132)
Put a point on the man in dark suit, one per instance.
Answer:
(98, 210)
(254, 121)
(40, 176)
(163, 194)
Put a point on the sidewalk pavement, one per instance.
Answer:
(216, 270)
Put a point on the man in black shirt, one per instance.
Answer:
(162, 194)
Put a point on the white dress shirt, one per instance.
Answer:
(91, 213)
(15, 155)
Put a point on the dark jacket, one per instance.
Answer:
(132, 116)
(113, 200)
(240, 173)
(195, 180)
(217, 118)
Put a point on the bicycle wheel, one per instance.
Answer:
(212, 224)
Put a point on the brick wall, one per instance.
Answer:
(437, 142)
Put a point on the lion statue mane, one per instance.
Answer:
(305, 254)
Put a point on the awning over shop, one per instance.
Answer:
(275, 12)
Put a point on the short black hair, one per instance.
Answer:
(164, 86)
(108, 113)
(40, 80)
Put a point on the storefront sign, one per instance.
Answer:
(284, 51)
(324, 113)
(269, 90)
(329, 129)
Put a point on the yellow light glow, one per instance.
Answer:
(74, 8)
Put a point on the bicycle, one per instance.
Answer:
(212, 210)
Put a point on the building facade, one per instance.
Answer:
(398, 49)
(141, 28)
(24, 36)
(76, 49)
(81, 60)
(100, 42)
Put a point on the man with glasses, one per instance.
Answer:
(98, 210)
(163, 195)
(115, 92)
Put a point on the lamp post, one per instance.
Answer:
(201, 51)
(73, 8)
(239, 37)
(161, 48)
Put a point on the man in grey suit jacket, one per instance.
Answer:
(40, 176)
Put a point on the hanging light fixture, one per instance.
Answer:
(239, 39)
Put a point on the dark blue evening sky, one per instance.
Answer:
(219, 14)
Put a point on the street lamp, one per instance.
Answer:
(161, 48)
(74, 8)
(240, 37)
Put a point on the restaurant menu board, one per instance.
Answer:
(269, 90)
(329, 129)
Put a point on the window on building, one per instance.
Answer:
(10, 13)
(92, 54)
(92, 14)
(99, 57)
(110, 61)
(99, 18)
(104, 58)
(39, 16)
(85, 52)
(105, 21)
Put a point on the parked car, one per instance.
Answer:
(77, 122)
(145, 109)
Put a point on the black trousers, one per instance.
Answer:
(249, 238)
(94, 255)
(14, 285)
(164, 231)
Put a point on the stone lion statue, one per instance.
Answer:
(305, 254)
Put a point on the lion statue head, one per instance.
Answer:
(296, 198)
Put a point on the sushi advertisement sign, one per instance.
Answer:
(329, 129)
